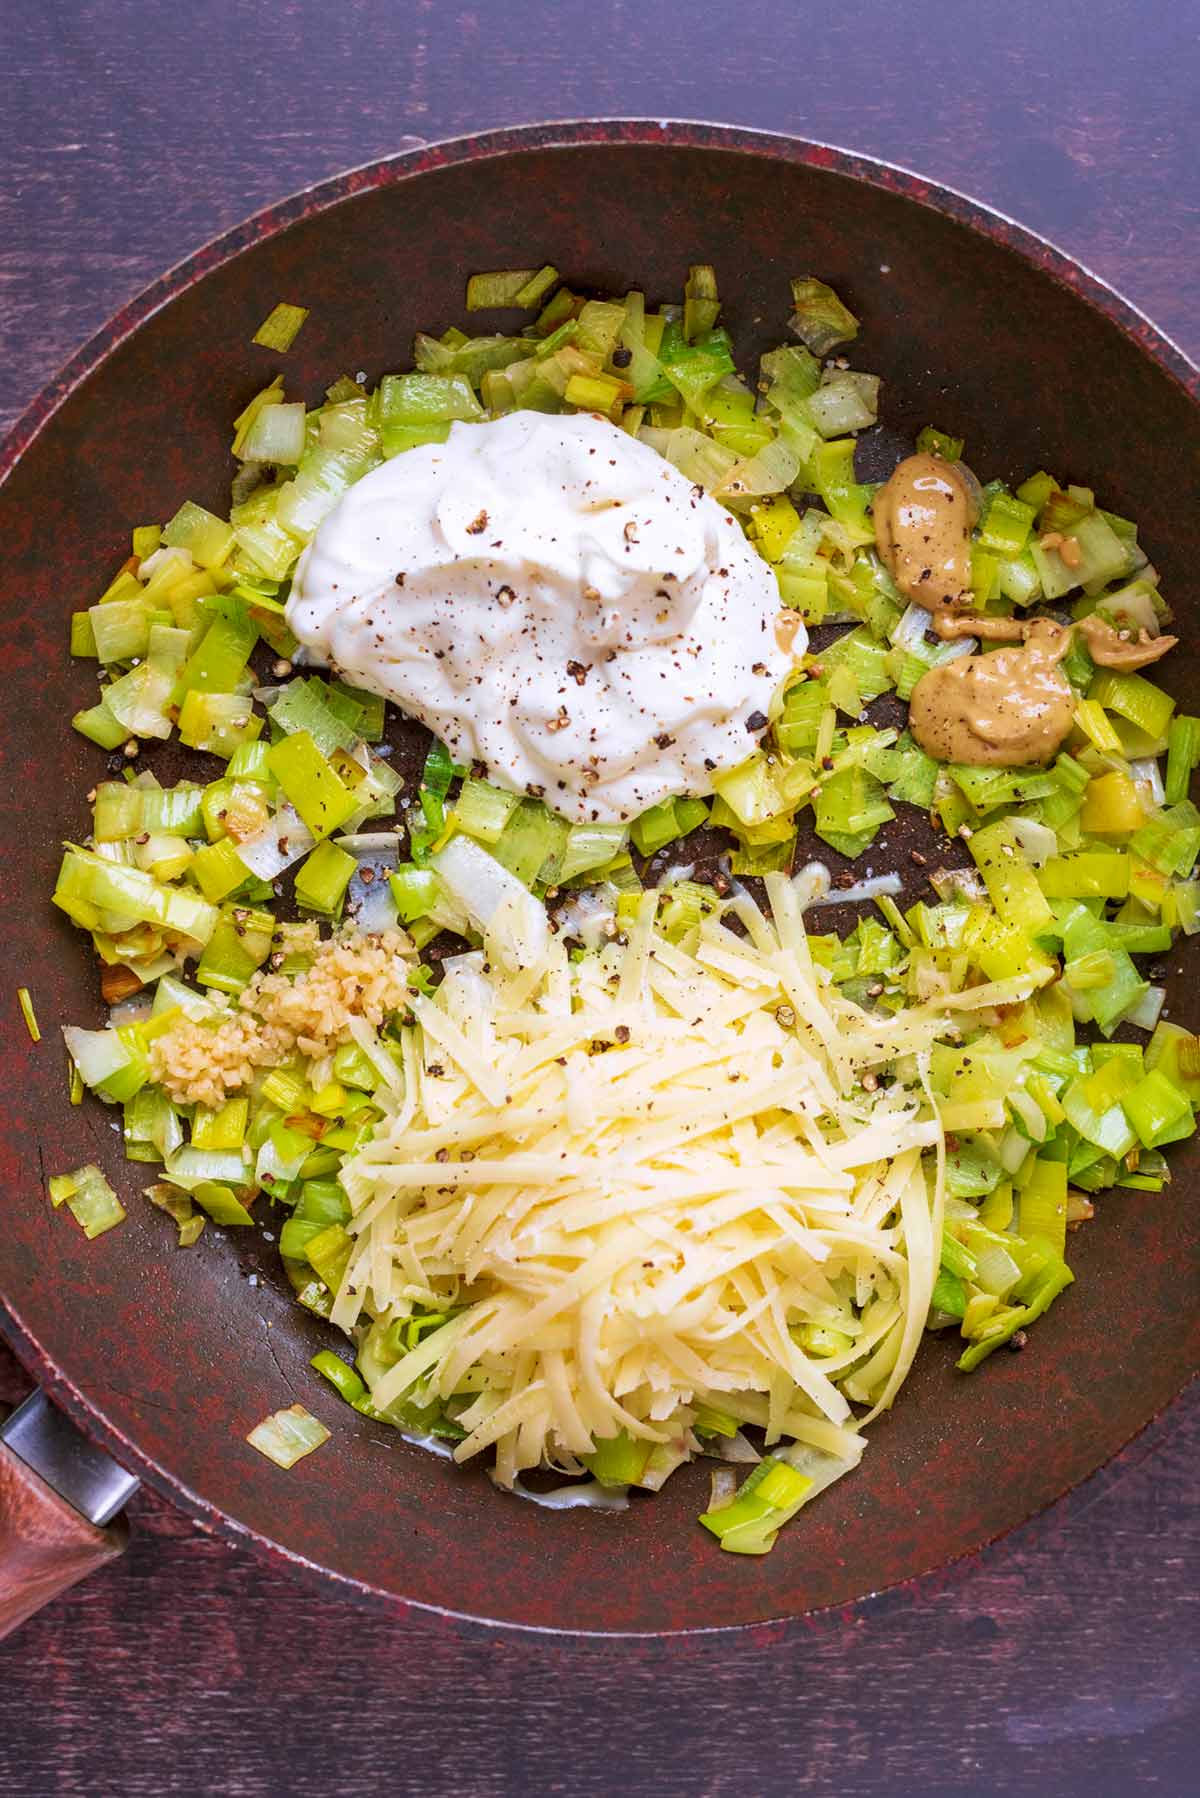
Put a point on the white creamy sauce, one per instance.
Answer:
(556, 601)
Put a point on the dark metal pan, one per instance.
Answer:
(165, 1358)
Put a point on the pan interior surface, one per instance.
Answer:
(172, 1357)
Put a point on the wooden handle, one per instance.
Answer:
(45, 1545)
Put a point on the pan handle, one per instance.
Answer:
(52, 1535)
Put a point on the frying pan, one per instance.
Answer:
(167, 1358)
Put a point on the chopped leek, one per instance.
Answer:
(309, 782)
(28, 1013)
(819, 318)
(278, 330)
(772, 1495)
(90, 1200)
(285, 1437)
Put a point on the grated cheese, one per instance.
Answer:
(635, 1179)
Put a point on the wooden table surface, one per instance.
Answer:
(1065, 1655)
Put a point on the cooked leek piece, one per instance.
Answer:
(278, 330)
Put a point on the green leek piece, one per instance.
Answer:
(949, 1294)
(1094, 969)
(599, 325)
(1038, 488)
(92, 890)
(352, 1068)
(846, 498)
(440, 772)
(972, 1171)
(1100, 555)
(1085, 935)
(282, 1153)
(237, 948)
(1043, 1206)
(138, 700)
(99, 726)
(27, 1012)
(957, 1259)
(1183, 753)
(419, 399)
(120, 629)
(858, 652)
(1049, 1275)
(218, 870)
(206, 538)
(501, 288)
(987, 788)
(267, 396)
(850, 807)
(1107, 1129)
(701, 306)
(277, 436)
(287, 1436)
(122, 810)
(222, 1129)
(328, 1254)
(1011, 883)
(1138, 937)
(1170, 841)
(323, 1202)
(218, 722)
(249, 762)
(1090, 874)
(803, 709)
(772, 1494)
(844, 402)
(341, 1376)
(710, 1422)
(1005, 524)
(83, 637)
(915, 776)
(309, 783)
(89, 1198)
(556, 312)
(179, 1208)
(278, 330)
(482, 811)
(537, 287)
(534, 840)
(221, 1203)
(219, 662)
(819, 319)
(1133, 698)
(370, 707)
(1177, 1052)
(593, 393)
(591, 847)
(416, 892)
(262, 539)
(152, 1128)
(1158, 1110)
(233, 807)
(937, 443)
(655, 828)
(295, 1236)
(323, 878)
(694, 368)
(285, 1090)
(618, 1460)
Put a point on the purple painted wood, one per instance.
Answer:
(1066, 1653)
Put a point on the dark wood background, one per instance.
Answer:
(1064, 1657)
